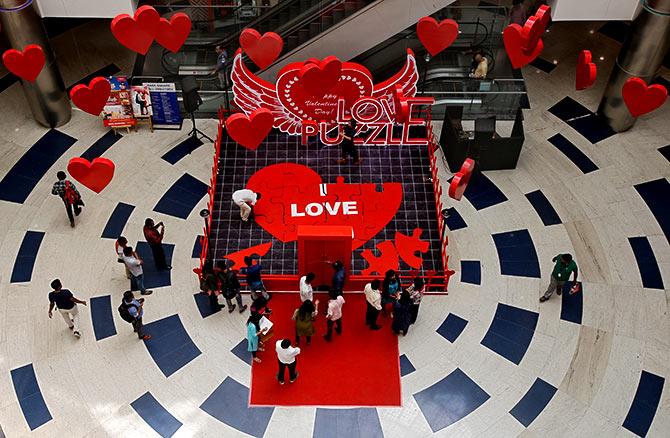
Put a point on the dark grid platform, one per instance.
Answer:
(408, 165)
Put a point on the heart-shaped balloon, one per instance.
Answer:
(172, 34)
(251, 130)
(436, 37)
(262, 50)
(27, 64)
(94, 175)
(640, 98)
(586, 71)
(460, 181)
(91, 98)
(534, 28)
(138, 32)
(318, 79)
(512, 37)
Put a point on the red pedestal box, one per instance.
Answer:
(321, 245)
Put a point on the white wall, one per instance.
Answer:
(594, 10)
(86, 8)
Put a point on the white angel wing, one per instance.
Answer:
(407, 78)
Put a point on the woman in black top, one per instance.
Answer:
(348, 147)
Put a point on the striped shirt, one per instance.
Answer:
(59, 188)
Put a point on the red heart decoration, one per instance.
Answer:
(262, 50)
(288, 188)
(512, 36)
(91, 98)
(586, 71)
(94, 175)
(172, 34)
(460, 181)
(137, 33)
(436, 37)
(27, 64)
(534, 28)
(640, 98)
(250, 131)
(400, 104)
(318, 79)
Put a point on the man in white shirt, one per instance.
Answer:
(286, 357)
(306, 292)
(134, 264)
(119, 245)
(245, 199)
(334, 315)
(373, 300)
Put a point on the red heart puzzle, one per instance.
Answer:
(138, 32)
(172, 34)
(460, 181)
(251, 130)
(262, 50)
(318, 79)
(436, 37)
(94, 175)
(586, 71)
(512, 37)
(27, 64)
(91, 98)
(642, 99)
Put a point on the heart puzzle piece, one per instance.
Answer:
(263, 50)
(460, 181)
(436, 37)
(95, 175)
(27, 64)
(251, 130)
(91, 98)
(586, 71)
(642, 99)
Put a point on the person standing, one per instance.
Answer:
(69, 194)
(390, 288)
(338, 277)
(373, 300)
(561, 274)
(254, 280)
(119, 245)
(134, 263)
(220, 69)
(286, 356)
(334, 315)
(253, 336)
(209, 284)
(401, 314)
(304, 320)
(348, 146)
(416, 291)
(67, 306)
(155, 240)
(306, 291)
(245, 199)
(230, 286)
(517, 13)
(482, 68)
(136, 310)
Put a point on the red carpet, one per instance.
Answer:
(359, 368)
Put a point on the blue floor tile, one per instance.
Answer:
(483, 193)
(656, 194)
(543, 64)
(182, 197)
(117, 221)
(170, 345)
(5, 82)
(665, 151)
(592, 128)
(511, 332)
(25, 259)
(517, 254)
(101, 145)
(240, 350)
(182, 149)
(646, 262)
(533, 402)
(406, 366)
(205, 309)
(106, 71)
(349, 423)
(569, 108)
(229, 403)
(452, 327)
(102, 317)
(152, 276)
(471, 271)
(455, 221)
(573, 153)
(30, 397)
(543, 208)
(156, 415)
(197, 247)
(572, 306)
(33, 166)
(450, 399)
(644, 406)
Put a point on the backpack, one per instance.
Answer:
(70, 195)
(125, 314)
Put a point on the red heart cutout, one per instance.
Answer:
(400, 104)
(318, 79)
(640, 98)
(172, 34)
(460, 181)
(288, 188)
(137, 33)
(534, 28)
(436, 37)
(94, 175)
(251, 130)
(512, 37)
(27, 64)
(91, 98)
(262, 50)
(586, 71)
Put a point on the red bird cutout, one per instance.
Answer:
(436, 37)
(94, 175)
(460, 181)
(586, 71)
(27, 64)
(319, 78)
(251, 130)
(642, 99)
(138, 32)
(172, 34)
(91, 98)
(262, 50)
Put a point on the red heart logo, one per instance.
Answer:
(27, 64)
(512, 36)
(262, 50)
(91, 98)
(137, 33)
(534, 28)
(460, 181)
(292, 195)
(250, 131)
(94, 175)
(640, 98)
(172, 34)
(436, 37)
(586, 71)
(318, 79)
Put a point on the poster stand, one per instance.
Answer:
(123, 126)
(144, 120)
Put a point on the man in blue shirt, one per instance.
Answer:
(338, 277)
(220, 69)
(254, 280)
(67, 306)
(135, 309)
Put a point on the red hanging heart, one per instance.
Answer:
(512, 37)
(27, 64)
(94, 175)
(534, 28)
(586, 71)
(262, 50)
(400, 104)
(640, 98)
(172, 34)
(436, 37)
(318, 79)
(137, 33)
(460, 181)
(91, 98)
(250, 131)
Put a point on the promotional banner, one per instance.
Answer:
(164, 104)
(141, 100)
(118, 111)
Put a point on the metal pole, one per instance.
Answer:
(46, 96)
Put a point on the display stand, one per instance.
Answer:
(123, 126)
(144, 120)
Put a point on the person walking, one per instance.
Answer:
(306, 291)
(135, 309)
(220, 69)
(134, 263)
(517, 13)
(334, 315)
(416, 291)
(254, 280)
(253, 336)
(561, 274)
(69, 194)
(245, 199)
(373, 300)
(401, 314)
(66, 304)
(155, 240)
(230, 286)
(390, 288)
(286, 356)
(209, 284)
(348, 146)
(119, 245)
(304, 320)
